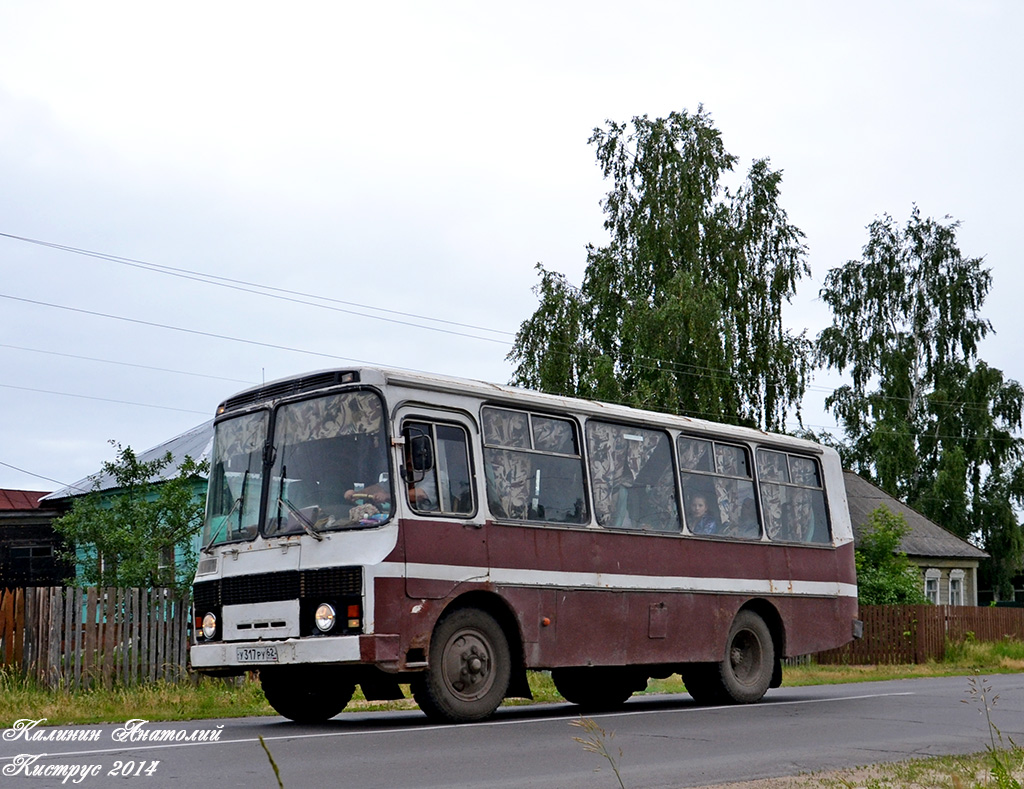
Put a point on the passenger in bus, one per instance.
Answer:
(701, 519)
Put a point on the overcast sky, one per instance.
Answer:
(413, 162)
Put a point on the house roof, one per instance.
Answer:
(20, 499)
(196, 443)
(925, 538)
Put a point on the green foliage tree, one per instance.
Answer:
(925, 417)
(884, 574)
(682, 310)
(130, 535)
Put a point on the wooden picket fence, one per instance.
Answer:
(75, 638)
(919, 633)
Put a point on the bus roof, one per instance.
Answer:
(495, 393)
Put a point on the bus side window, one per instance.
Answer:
(792, 497)
(632, 478)
(533, 467)
(718, 489)
(439, 477)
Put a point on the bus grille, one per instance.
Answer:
(269, 587)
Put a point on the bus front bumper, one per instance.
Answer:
(380, 650)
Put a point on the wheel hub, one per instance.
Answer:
(467, 665)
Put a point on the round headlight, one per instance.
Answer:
(325, 617)
(209, 626)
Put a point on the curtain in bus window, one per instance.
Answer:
(795, 511)
(772, 504)
(554, 435)
(794, 514)
(242, 435)
(506, 428)
(508, 483)
(533, 467)
(737, 508)
(632, 479)
(718, 490)
(346, 414)
(732, 493)
(804, 471)
(694, 454)
(731, 461)
(772, 466)
(236, 478)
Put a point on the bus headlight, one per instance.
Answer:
(209, 626)
(324, 617)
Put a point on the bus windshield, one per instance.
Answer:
(330, 466)
(233, 508)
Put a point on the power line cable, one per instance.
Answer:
(39, 476)
(248, 342)
(128, 364)
(182, 329)
(652, 363)
(271, 291)
(105, 399)
(648, 363)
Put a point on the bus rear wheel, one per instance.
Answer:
(749, 659)
(470, 668)
(703, 682)
(597, 688)
(746, 673)
(311, 694)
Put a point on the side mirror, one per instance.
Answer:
(421, 450)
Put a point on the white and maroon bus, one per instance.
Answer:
(381, 528)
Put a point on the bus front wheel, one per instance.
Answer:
(470, 667)
(310, 694)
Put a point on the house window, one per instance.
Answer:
(931, 585)
(956, 587)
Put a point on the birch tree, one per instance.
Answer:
(924, 417)
(681, 310)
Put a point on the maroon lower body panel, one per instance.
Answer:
(566, 625)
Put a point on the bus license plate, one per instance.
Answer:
(256, 654)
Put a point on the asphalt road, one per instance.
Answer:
(665, 741)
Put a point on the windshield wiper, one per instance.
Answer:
(307, 525)
(216, 534)
(236, 506)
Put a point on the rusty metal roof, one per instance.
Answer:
(20, 499)
(196, 443)
(925, 538)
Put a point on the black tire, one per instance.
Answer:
(597, 688)
(470, 667)
(307, 694)
(749, 661)
(703, 682)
